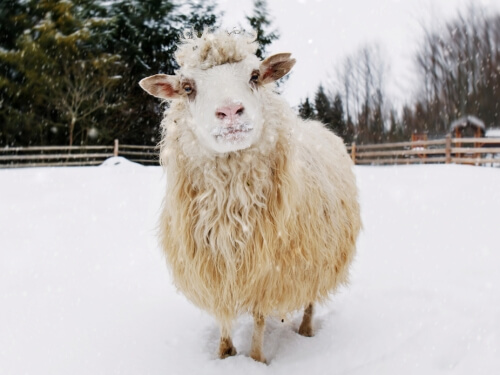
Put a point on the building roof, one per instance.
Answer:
(465, 121)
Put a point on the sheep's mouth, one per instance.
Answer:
(232, 133)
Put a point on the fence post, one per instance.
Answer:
(115, 151)
(353, 152)
(448, 148)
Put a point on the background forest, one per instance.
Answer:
(458, 70)
(69, 73)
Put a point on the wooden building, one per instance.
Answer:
(468, 127)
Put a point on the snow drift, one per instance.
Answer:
(84, 288)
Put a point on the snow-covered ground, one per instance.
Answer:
(84, 288)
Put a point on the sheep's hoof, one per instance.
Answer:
(306, 330)
(229, 352)
(258, 357)
(226, 349)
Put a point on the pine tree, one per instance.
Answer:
(146, 34)
(14, 19)
(201, 15)
(61, 77)
(14, 111)
(351, 131)
(306, 110)
(260, 22)
(342, 127)
(397, 131)
(95, 49)
(323, 108)
(338, 122)
(363, 125)
(377, 129)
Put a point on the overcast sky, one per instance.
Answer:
(321, 33)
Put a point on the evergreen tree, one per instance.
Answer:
(260, 22)
(145, 34)
(90, 8)
(338, 122)
(377, 131)
(323, 108)
(69, 67)
(330, 114)
(14, 18)
(351, 131)
(306, 110)
(397, 130)
(58, 77)
(201, 15)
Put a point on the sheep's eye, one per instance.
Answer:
(254, 78)
(188, 89)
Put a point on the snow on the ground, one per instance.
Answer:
(84, 288)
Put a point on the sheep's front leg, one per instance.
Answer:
(226, 348)
(258, 337)
(306, 326)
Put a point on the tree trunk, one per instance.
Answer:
(71, 130)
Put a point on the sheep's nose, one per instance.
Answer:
(229, 112)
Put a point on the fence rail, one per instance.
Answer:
(50, 156)
(473, 151)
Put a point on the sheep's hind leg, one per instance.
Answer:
(226, 347)
(306, 326)
(258, 338)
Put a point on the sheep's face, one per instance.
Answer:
(224, 101)
(225, 105)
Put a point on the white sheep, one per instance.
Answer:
(261, 212)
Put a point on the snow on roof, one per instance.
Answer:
(493, 133)
(462, 122)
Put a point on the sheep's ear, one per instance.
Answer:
(161, 85)
(275, 67)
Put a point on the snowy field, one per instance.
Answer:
(84, 288)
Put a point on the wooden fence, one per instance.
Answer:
(50, 156)
(473, 151)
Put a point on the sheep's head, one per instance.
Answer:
(221, 80)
